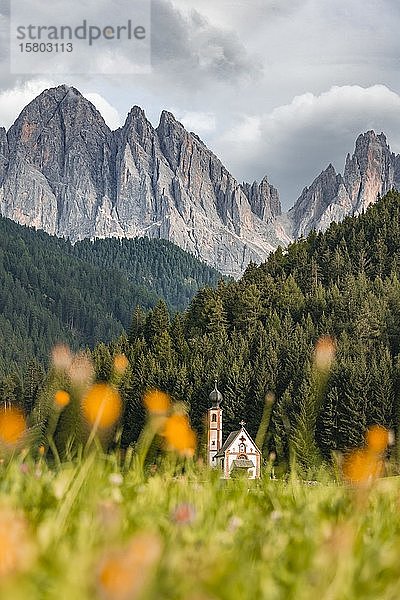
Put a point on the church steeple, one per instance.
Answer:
(214, 439)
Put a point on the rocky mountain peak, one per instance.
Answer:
(63, 170)
(372, 170)
(326, 199)
(264, 199)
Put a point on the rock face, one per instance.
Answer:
(373, 170)
(63, 170)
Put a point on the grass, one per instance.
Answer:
(86, 530)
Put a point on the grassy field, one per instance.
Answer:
(153, 523)
(90, 529)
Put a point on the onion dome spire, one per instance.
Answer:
(215, 396)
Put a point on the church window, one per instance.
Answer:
(214, 418)
(242, 447)
(213, 443)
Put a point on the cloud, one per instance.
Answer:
(198, 122)
(188, 47)
(13, 100)
(296, 141)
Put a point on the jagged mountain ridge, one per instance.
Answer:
(64, 171)
(370, 172)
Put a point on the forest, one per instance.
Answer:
(257, 337)
(52, 291)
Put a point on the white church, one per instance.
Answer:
(239, 453)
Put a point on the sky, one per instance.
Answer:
(274, 87)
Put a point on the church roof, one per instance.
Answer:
(229, 441)
(231, 437)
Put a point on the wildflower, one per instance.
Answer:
(125, 573)
(42, 450)
(184, 514)
(12, 426)
(120, 364)
(179, 435)
(157, 402)
(235, 523)
(116, 479)
(81, 370)
(324, 356)
(62, 357)
(102, 405)
(62, 398)
(24, 468)
(377, 438)
(109, 515)
(15, 545)
(362, 466)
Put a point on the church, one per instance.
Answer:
(238, 454)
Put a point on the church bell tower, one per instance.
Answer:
(214, 440)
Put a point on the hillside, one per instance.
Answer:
(83, 294)
(257, 335)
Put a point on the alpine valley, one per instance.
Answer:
(64, 171)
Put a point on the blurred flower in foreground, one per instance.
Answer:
(102, 405)
(12, 426)
(234, 523)
(362, 466)
(109, 515)
(16, 551)
(81, 371)
(184, 514)
(116, 479)
(325, 350)
(124, 574)
(378, 438)
(61, 398)
(157, 402)
(120, 364)
(62, 357)
(179, 435)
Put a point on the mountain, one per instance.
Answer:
(64, 171)
(52, 291)
(372, 171)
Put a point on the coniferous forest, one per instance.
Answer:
(257, 335)
(52, 291)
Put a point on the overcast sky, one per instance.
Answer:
(274, 87)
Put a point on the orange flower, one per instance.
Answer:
(124, 574)
(120, 364)
(12, 426)
(102, 405)
(42, 450)
(362, 466)
(62, 398)
(157, 402)
(377, 438)
(325, 351)
(179, 435)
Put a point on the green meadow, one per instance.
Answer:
(101, 527)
